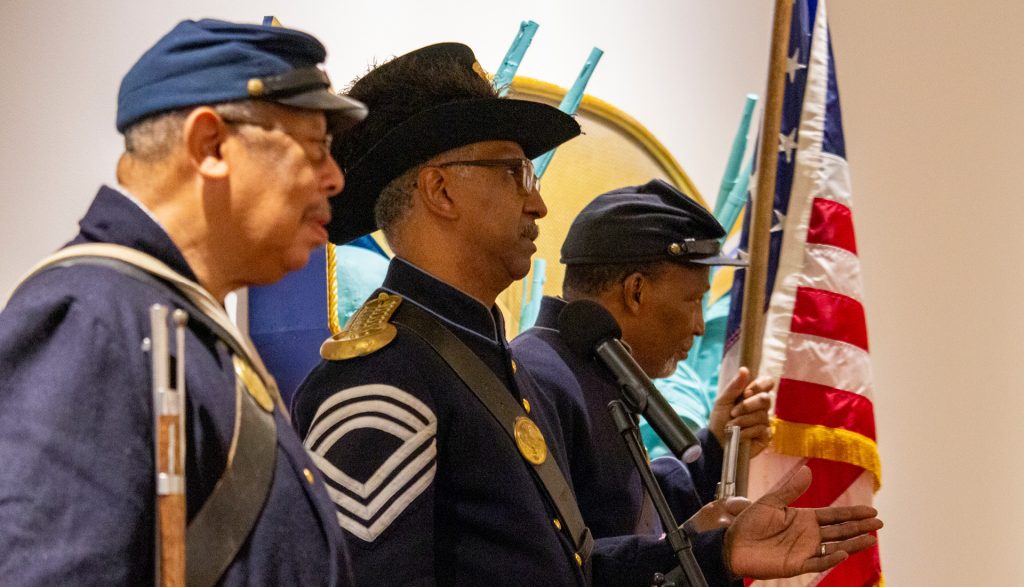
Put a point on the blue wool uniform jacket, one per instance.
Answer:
(427, 485)
(76, 434)
(608, 487)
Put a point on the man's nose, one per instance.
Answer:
(332, 180)
(535, 204)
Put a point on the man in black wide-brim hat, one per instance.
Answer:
(441, 455)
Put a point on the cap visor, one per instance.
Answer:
(718, 260)
(342, 112)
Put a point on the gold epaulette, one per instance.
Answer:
(367, 332)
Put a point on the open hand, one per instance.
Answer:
(770, 540)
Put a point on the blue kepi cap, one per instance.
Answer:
(641, 223)
(212, 61)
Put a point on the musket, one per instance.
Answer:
(169, 445)
(514, 56)
(571, 103)
(727, 486)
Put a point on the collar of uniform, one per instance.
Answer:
(131, 198)
(550, 307)
(114, 218)
(547, 317)
(454, 307)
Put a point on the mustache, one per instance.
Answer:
(530, 230)
(320, 212)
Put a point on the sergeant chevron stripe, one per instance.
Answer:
(367, 508)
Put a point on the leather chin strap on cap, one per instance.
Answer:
(695, 248)
(291, 82)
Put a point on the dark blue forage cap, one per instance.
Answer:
(212, 61)
(650, 222)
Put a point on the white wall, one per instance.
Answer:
(928, 90)
(931, 93)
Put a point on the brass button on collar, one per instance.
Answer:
(309, 476)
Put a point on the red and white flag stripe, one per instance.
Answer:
(815, 342)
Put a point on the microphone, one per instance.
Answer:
(588, 328)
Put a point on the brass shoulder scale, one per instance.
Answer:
(252, 383)
(367, 332)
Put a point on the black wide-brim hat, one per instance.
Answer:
(447, 121)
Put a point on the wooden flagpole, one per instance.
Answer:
(752, 319)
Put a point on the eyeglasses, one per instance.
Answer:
(521, 169)
(323, 145)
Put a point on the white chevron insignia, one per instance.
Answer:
(366, 407)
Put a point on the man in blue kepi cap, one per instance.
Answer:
(643, 254)
(225, 181)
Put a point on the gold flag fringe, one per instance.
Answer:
(822, 442)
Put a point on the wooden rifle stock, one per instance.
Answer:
(169, 429)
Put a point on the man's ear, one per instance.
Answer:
(633, 290)
(432, 189)
(203, 135)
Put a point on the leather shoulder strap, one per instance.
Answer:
(195, 293)
(223, 523)
(498, 400)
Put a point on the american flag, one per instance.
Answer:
(815, 342)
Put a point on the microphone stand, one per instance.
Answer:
(677, 538)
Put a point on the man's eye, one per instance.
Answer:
(321, 151)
